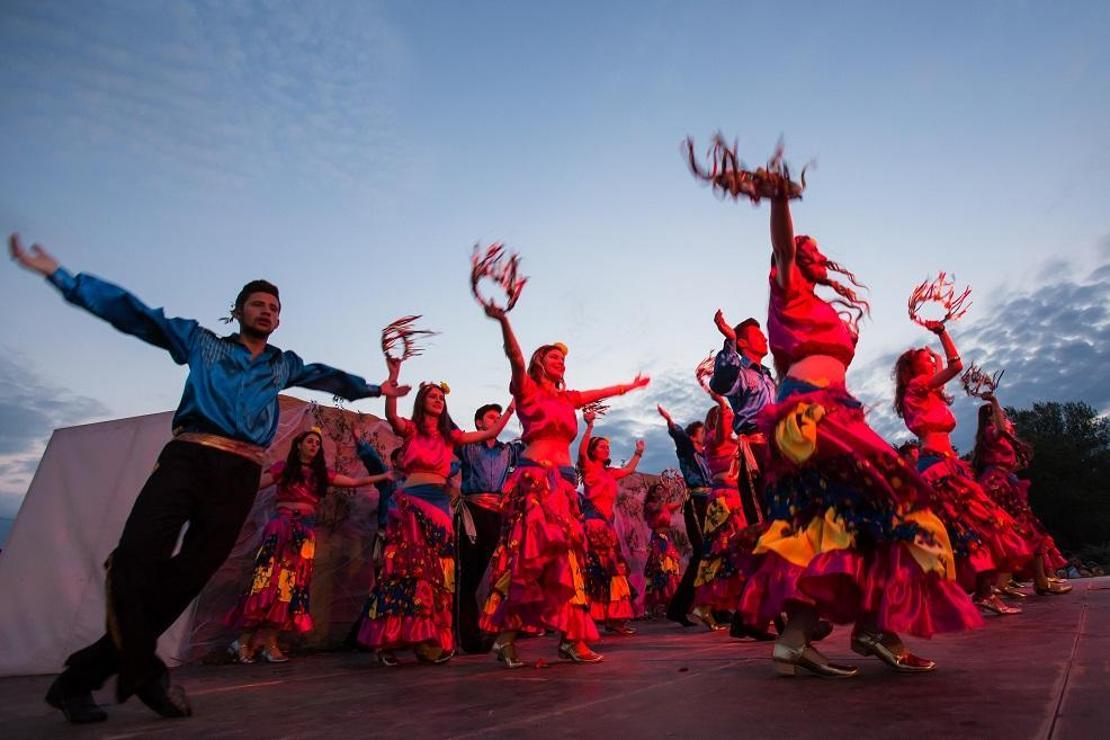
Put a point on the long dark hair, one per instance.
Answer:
(849, 305)
(318, 468)
(654, 497)
(1023, 450)
(904, 373)
(444, 425)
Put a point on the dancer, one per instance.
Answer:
(984, 536)
(278, 598)
(720, 579)
(848, 538)
(410, 604)
(206, 476)
(485, 468)
(661, 566)
(689, 445)
(739, 376)
(607, 584)
(999, 454)
(537, 581)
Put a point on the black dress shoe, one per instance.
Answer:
(166, 700)
(78, 707)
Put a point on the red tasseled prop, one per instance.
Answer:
(704, 371)
(599, 408)
(499, 266)
(942, 291)
(977, 383)
(729, 176)
(401, 333)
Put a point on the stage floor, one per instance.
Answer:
(1044, 674)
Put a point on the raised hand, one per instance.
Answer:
(937, 327)
(723, 326)
(589, 415)
(494, 312)
(664, 413)
(639, 447)
(640, 381)
(36, 259)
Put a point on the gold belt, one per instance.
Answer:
(254, 453)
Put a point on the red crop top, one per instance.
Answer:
(800, 324)
(600, 486)
(925, 409)
(997, 450)
(299, 492)
(546, 415)
(427, 453)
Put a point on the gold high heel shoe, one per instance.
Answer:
(890, 650)
(789, 659)
(579, 652)
(706, 617)
(1054, 588)
(994, 604)
(506, 653)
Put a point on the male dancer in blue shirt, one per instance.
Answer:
(207, 476)
(485, 467)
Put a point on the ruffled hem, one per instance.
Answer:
(393, 632)
(887, 585)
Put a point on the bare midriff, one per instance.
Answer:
(554, 451)
(298, 506)
(818, 370)
(424, 479)
(937, 442)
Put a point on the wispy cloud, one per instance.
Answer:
(208, 89)
(30, 409)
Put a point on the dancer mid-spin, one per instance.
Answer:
(207, 476)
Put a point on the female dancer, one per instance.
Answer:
(999, 454)
(847, 536)
(410, 604)
(278, 597)
(536, 578)
(662, 564)
(984, 536)
(720, 580)
(606, 570)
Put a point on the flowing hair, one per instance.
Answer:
(317, 467)
(1022, 449)
(444, 425)
(904, 373)
(848, 304)
(535, 366)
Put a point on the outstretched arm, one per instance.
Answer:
(682, 443)
(399, 425)
(782, 239)
(953, 364)
(110, 302)
(600, 394)
(630, 467)
(465, 438)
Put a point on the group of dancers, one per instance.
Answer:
(799, 515)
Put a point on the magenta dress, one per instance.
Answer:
(849, 531)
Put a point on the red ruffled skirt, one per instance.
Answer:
(278, 595)
(536, 580)
(410, 603)
(606, 573)
(728, 545)
(661, 570)
(848, 532)
(1012, 494)
(984, 537)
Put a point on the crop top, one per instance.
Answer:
(427, 453)
(801, 324)
(546, 415)
(600, 486)
(925, 409)
(299, 492)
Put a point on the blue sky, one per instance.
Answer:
(354, 152)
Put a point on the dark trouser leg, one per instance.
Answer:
(694, 515)
(147, 588)
(473, 561)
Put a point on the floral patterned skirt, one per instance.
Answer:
(661, 570)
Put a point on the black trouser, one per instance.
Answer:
(751, 483)
(473, 560)
(694, 515)
(147, 586)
